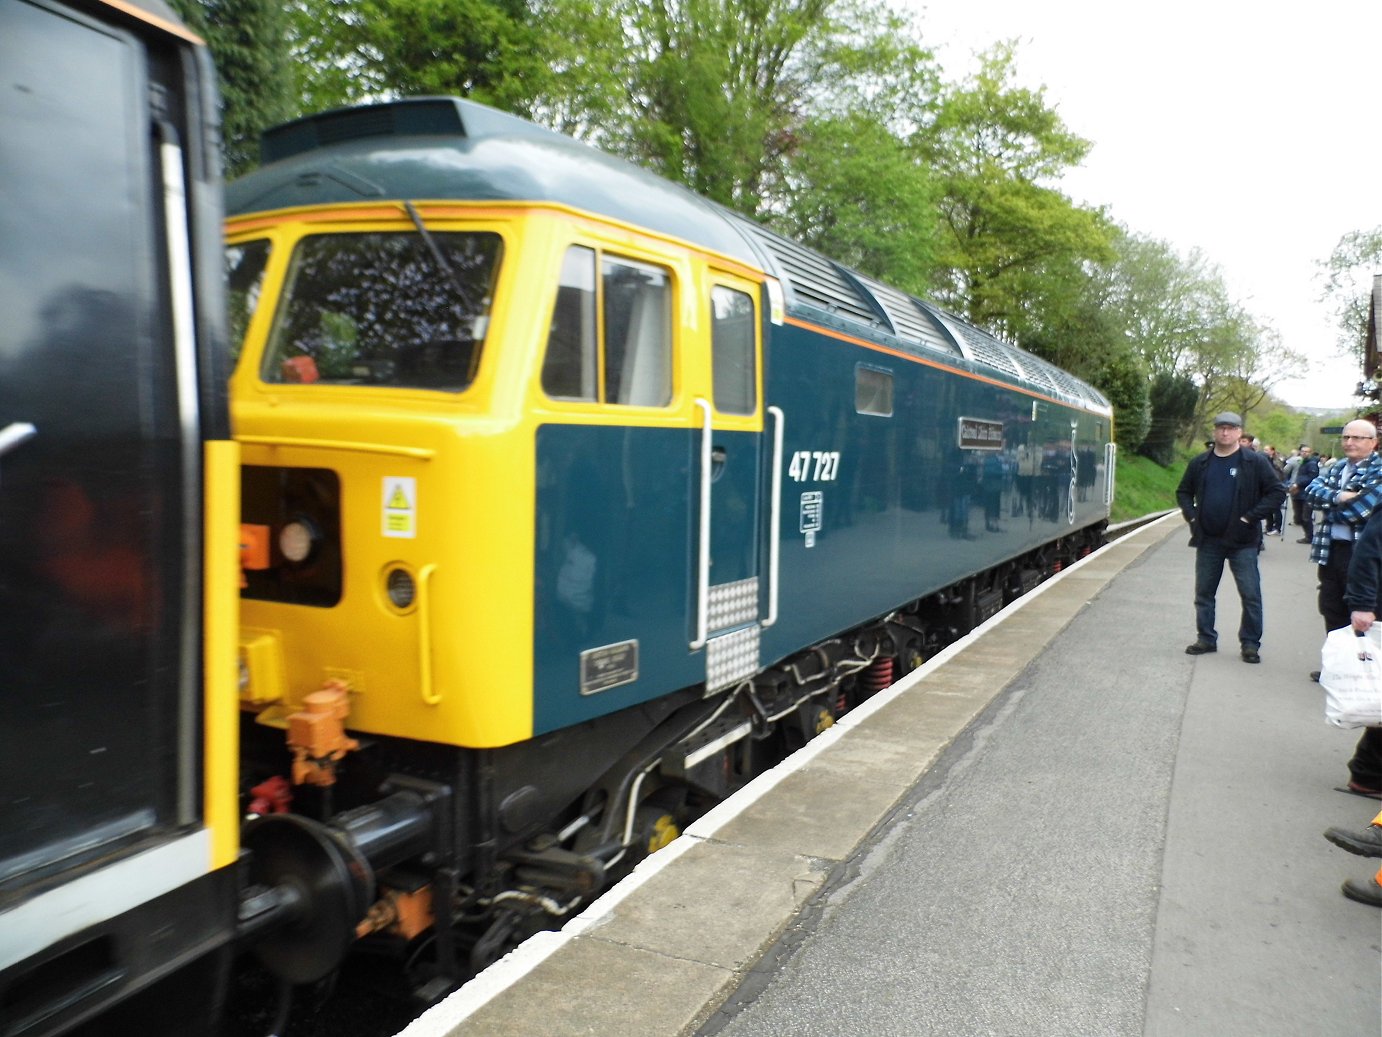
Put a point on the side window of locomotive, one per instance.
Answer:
(637, 314)
(571, 367)
(873, 391)
(245, 265)
(732, 351)
(633, 335)
(380, 309)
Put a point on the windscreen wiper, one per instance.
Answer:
(446, 267)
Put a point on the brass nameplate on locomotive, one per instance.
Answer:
(608, 667)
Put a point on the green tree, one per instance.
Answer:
(995, 148)
(1347, 275)
(550, 60)
(722, 95)
(854, 192)
(1247, 382)
(1173, 398)
(249, 43)
(851, 183)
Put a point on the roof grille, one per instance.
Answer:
(909, 321)
(813, 279)
(397, 118)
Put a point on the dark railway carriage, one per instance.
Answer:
(570, 501)
(118, 823)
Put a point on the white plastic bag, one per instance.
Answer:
(1351, 675)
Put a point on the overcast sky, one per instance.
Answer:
(1253, 132)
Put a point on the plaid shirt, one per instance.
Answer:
(1367, 479)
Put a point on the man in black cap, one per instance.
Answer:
(1224, 494)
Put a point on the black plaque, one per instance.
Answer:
(980, 434)
(608, 667)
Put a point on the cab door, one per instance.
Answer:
(728, 496)
(99, 509)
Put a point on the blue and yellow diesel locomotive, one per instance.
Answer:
(570, 500)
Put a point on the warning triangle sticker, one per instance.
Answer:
(399, 501)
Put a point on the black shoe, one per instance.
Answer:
(1315, 676)
(1365, 891)
(1367, 843)
(1304, 540)
(1200, 648)
(1250, 655)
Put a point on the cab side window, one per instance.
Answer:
(626, 356)
(732, 351)
(571, 369)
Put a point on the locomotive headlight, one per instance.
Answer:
(401, 588)
(296, 540)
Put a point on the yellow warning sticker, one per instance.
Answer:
(400, 506)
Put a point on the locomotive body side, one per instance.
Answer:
(907, 475)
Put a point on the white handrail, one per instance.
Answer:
(703, 562)
(775, 517)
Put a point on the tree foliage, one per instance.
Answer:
(831, 121)
(1173, 399)
(515, 55)
(996, 147)
(249, 42)
(1347, 275)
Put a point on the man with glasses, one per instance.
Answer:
(1348, 491)
(1225, 494)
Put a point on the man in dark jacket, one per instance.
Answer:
(1307, 467)
(1225, 494)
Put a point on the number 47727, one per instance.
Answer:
(814, 465)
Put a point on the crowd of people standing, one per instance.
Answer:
(1233, 496)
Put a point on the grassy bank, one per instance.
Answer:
(1144, 487)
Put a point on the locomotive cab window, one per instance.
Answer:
(383, 309)
(732, 354)
(873, 391)
(245, 264)
(611, 336)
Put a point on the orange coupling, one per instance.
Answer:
(399, 913)
(317, 737)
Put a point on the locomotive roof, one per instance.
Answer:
(446, 148)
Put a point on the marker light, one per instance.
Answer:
(296, 540)
(402, 589)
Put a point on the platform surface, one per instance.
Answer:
(1061, 825)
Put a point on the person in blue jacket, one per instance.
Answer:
(1225, 494)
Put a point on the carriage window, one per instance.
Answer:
(245, 265)
(379, 309)
(732, 352)
(571, 367)
(635, 332)
(638, 333)
(873, 391)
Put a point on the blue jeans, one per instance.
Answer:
(1209, 567)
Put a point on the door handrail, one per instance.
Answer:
(703, 561)
(424, 618)
(775, 517)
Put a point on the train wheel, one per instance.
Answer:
(822, 720)
(658, 821)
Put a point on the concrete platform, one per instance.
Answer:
(1118, 935)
